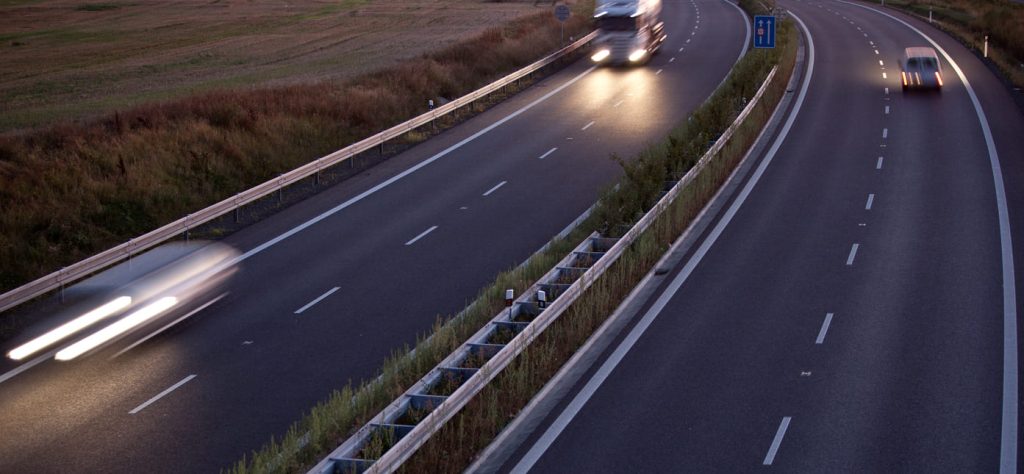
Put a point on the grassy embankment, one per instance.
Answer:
(971, 20)
(72, 190)
(333, 420)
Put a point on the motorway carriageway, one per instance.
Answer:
(854, 308)
(412, 238)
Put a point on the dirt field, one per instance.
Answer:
(68, 59)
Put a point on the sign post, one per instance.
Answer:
(562, 13)
(764, 31)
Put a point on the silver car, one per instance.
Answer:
(920, 68)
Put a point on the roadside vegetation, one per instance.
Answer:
(71, 190)
(971, 20)
(332, 421)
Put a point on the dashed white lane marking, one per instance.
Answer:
(880, 63)
(162, 394)
(886, 91)
(779, 434)
(687, 40)
(878, 165)
(549, 152)
(824, 329)
(871, 200)
(591, 124)
(885, 133)
(885, 76)
(694, 33)
(495, 188)
(317, 300)
(672, 60)
(876, 52)
(853, 254)
(887, 110)
(657, 72)
(422, 235)
(681, 49)
(617, 104)
(872, 42)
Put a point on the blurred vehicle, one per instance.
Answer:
(920, 68)
(136, 300)
(628, 31)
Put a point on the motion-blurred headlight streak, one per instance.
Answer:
(71, 327)
(120, 327)
(600, 55)
(637, 55)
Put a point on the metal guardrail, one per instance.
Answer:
(181, 226)
(411, 437)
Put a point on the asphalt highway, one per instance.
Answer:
(856, 313)
(369, 276)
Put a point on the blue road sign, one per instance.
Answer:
(764, 31)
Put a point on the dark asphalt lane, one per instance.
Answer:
(257, 365)
(908, 376)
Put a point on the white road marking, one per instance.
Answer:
(872, 42)
(880, 63)
(495, 188)
(658, 72)
(28, 365)
(878, 165)
(871, 200)
(770, 457)
(162, 394)
(549, 152)
(885, 133)
(555, 429)
(1008, 440)
(672, 59)
(876, 52)
(687, 40)
(681, 49)
(617, 104)
(411, 170)
(853, 254)
(884, 76)
(887, 110)
(886, 91)
(591, 124)
(824, 329)
(318, 299)
(422, 235)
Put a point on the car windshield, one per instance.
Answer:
(923, 63)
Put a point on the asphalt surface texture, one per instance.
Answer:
(196, 399)
(850, 317)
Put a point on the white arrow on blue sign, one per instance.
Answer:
(764, 31)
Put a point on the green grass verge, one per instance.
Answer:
(332, 421)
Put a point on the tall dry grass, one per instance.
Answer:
(74, 189)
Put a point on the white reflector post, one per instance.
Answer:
(120, 327)
(69, 328)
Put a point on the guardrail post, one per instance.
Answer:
(60, 278)
(280, 190)
(382, 148)
(236, 208)
(187, 218)
(131, 243)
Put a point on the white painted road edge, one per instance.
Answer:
(1008, 441)
(162, 394)
(495, 188)
(577, 403)
(422, 235)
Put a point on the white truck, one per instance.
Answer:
(629, 31)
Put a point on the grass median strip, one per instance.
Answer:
(333, 420)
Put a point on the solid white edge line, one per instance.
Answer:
(777, 441)
(545, 155)
(320, 298)
(417, 167)
(871, 200)
(1008, 442)
(853, 254)
(27, 365)
(162, 394)
(824, 329)
(495, 188)
(581, 398)
(422, 235)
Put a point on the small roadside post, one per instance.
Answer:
(542, 299)
(562, 14)
(510, 295)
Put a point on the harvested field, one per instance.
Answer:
(72, 59)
